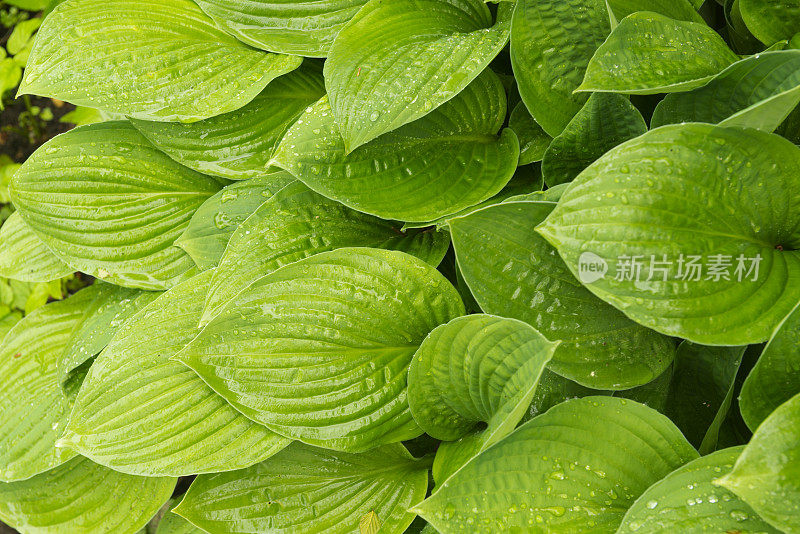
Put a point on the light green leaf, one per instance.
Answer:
(300, 27)
(138, 412)
(555, 473)
(767, 474)
(674, 9)
(649, 54)
(533, 140)
(318, 350)
(475, 369)
(21, 35)
(23, 255)
(552, 42)
(10, 75)
(776, 377)
(239, 144)
(81, 116)
(150, 59)
(109, 204)
(448, 160)
(686, 501)
(214, 222)
(512, 272)
(297, 223)
(757, 92)
(171, 523)
(714, 247)
(306, 489)
(603, 123)
(771, 20)
(398, 60)
(7, 322)
(81, 497)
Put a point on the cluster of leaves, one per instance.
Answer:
(341, 251)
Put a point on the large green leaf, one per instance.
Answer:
(171, 523)
(552, 42)
(603, 123)
(108, 203)
(695, 243)
(23, 255)
(757, 92)
(297, 223)
(81, 497)
(533, 140)
(776, 377)
(299, 27)
(239, 144)
(448, 160)
(576, 468)
(687, 501)
(513, 272)
(674, 9)
(318, 350)
(475, 369)
(140, 413)
(771, 20)
(398, 60)
(767, 474)
(650, 53)
(34, 408)
(306, 489)
(214, 223)
(150, 59)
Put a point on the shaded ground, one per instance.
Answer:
(22, 132)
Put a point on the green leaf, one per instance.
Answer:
(603, 123)
(171, 523)
(214, 222)
(239, 144)
(776, 377)
(512, 272)
(448, 160)
(687, 501)
(306, 489)
(318, 350)
(33, 406)
(771, 20)
(680, 209)
(23, 256)
(21, 35)
(297, 223)
(158, 60)
(81, 497)
(81, 116)
(701, 391)
(674, 9)
(300, 27)
(767, 474)
(556, 474)
(109, 204)
(758, 92)
(138, 412)
(649, 54)
(398, 60)
(552, 42)
(533, 140)
(475, 369)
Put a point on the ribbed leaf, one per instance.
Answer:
(300, 27)
(650, 53)
(552, 42)
(297, 223)
(214, 223)
(448, 160)
(171, 523)
(239, 144)
(690, 195)
(110, 204)
(553, 474)
(306, 489)
(150, 59)
(398, 60)
(533, 140)
(674, 9)
(603, 123)
(140, 413)
(771, 20)
(687, 501)
(81, 497)
(512, 272)
(319, 350)
(475, 369)
(23, 255)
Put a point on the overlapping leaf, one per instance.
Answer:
(674, 9)
(771, 20)
(23, 255)
(533, 140)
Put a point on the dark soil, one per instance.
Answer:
(21, 134)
